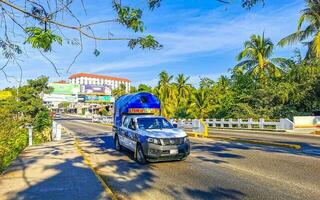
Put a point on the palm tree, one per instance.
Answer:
(183, 87)
(121, 90)
(164, 79)
(166, 92)
(311, 15)
(257, 52)
(199, 106)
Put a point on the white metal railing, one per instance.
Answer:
(281, 124)
(103, 119)
(96, 118)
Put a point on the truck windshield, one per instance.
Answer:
(154, 123)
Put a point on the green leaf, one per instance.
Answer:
(41, 38)
(147, 42)
(96, 52)
(129, 17)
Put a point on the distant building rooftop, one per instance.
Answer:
(61, 81)
(98, 76)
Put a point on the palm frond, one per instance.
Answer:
(246, 64)
(316, 45)
(300, 21)
(274, 70)
(290, 39)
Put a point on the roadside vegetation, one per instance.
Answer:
(24, 107)
(259, 86)
(295, 90)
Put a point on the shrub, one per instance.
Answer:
(42, 121)
(13, 138)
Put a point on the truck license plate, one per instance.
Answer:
(173, 151)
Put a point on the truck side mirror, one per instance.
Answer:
(175, 125)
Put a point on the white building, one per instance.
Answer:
(94, 79)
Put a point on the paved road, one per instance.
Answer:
(270, 136)
(214, 170)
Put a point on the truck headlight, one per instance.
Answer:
(186, 139)
(154, 141)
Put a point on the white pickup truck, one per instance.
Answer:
(152, 138)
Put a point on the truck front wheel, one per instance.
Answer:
(117, 143)
(139, 155)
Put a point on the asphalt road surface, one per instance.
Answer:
(214, 170)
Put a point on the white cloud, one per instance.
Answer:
(209, 33)
(192, 34)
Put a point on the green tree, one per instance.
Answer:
(183, 88)
(144, 88)
(310, 16)
(221, 98)
(257, 54)
(200, 104)
(166, 92)
(42, 121)
(133, 89)
(121, 90)
(206, 83)
(25, 106)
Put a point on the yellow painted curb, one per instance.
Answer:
(95, 171)
(195, 134)
(316, 132)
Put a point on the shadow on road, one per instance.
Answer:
(127, 177)
(221, 149)
(53, 171)
(60, 186)
(119, 170)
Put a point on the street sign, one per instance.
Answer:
(61, 88)
(95, 89)
(60, 98)
(5, 94)
(93, 98)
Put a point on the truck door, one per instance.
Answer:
(124, 132)
(132, 135)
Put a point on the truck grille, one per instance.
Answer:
(172, 141)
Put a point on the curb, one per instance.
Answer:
(260, 142)
(246, 129)
(110, 125)
(316, 132)
(87, 162)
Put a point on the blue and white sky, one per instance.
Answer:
(200, 37)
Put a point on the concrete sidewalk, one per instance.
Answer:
(51, 171)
